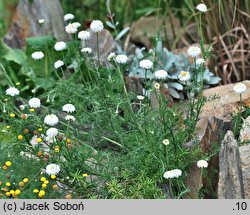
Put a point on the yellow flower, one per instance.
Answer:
(57, 148)
(53, 176)
(39, 140)
(68, 196)
(8, 163)
(12, 115)
(46, 182)
(40, 129)
(20, 137)
(157, 86)
(21, 184)
(68, 141)
(43, 179)
(8, 184)
(85, 175)
(7, 194)
(17, 192)
(12, 192)
(32, 110)
(55, 187)
(25, 180)
(8, 126)
(44, 185)
(35, 191)
(41, 193)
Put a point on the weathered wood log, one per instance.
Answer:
(230, 178)
(25, 22)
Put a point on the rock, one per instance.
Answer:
(25, 22)
(214, 120)
(245, 130)
(245, 165)
(143, 30)
(230, 178)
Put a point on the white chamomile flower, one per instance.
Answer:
(140, 97)
(121, 59)
(22, 107)
(194, 51)
(70, 28)
(37, 55)
(184, 76)
(240, 88)
(52, 169)
(96, 26)
(68, 17)
(34, 102)
(146, 64)
(166, 142)
(60, 46)
(51, 120)
(84, 35)
(52, 132)
(176, 173)
(41, 21)
(202, 164)
(12, 91)
(161, 74)
(76, 24)
(201, 8)
(111, 56)
(200, 61)
(86, 50)
(58, 64)
(69, 108)
(70, 118)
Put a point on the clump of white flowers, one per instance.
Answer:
(76, 24)
(52, 132)
(202, 164)
(121, 59)
(69, 108)
(240, 88)
(12, 91)
(166, 142)
(96, 26)
(111, 56)
(52, 169)
(37, 55)
(86, 50)
(201, 8)
(58, 64)
(140, 97)
(84, 35)
(161, 74)
(41, 21)
(70, 118)
(176, 173)
(200, 61)
(51, 120)
(34, 102)
(70, 28)
(68, 17)
(184, 76)
(60, 46)
(146, 64)
(194, 51)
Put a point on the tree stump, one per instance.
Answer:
(230, 177)
(25, 22)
